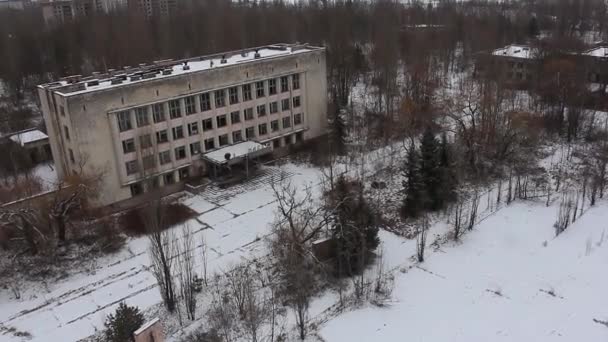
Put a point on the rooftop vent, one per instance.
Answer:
(134, 78)
(141, 65)
(168, 71)
(223, 60)
(186, 66)
(123, 77)
(93, 83)
(244, 53)
(116, 80)
(257, 55)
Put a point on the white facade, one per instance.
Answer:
(157, 120)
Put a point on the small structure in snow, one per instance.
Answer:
(35, 142)
(151, 331)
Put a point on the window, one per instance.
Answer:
(220, 98)
(261, 110)
(249, 133)
(296, 102)
(207, 125)
(209, 144)
(180, 153)
(233, 94)
(285, 104)
(287, 122)
(262, 129)
(136, 189)
(141, 116)
(124, 121)
(190, 105)
(205, 102)
(158, 112)
(164, 157)
(168, 178)
(193, 128)
(299, 137)
(145, 141)
(295, 81)
(272, 86)
(175, 111)
(287, 140)
(223, 139)
(274, 125)
(178, 132)
(249, 114)
(284, 84)
(131, 167)
(297, 119)
(246, 92)
(195, 148)
(71, 153)
(62, 110)
(276, 143)
(66, 132)
(274, 107)
(128, 146)
(237, 136)
(259, 89)
(162, 136)
(221, 121)
(149, 162)
(235, 117)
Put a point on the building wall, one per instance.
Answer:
(96, 141)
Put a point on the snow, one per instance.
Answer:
(27, 137)
(497, 285)
(233, 223)
(516, 51)
(196, 65)
(235, 151)
(598, 52)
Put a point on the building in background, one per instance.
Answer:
(156, 122)
(154, 8)
(61, 10)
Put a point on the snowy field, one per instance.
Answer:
(233, 223)
(510, 279)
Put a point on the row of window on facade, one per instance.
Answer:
(179, 153)
(205, 102)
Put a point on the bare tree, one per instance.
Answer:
(473, 210)
(457, 225)
(187, 276)
(422, 229)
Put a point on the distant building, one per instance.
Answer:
(14, 4)
(515, 64)
(35, 142)
(165, 122)
(61, 10)
(152, 8)
(596, 64)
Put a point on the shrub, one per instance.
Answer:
(200, 335)
(121, 325)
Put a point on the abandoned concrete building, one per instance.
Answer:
(170, 120)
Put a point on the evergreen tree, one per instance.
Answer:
(412, 187)
(533, 29)
(338, 130)
(121, 325)
(430, 172)
(448, 178)
(355, 229)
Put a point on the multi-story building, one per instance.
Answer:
(515, 64)
(151, 8)
(160, 120)
(596, 65)
(61, 10)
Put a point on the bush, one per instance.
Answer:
(201, 335)
(121, 325)
(132, 221)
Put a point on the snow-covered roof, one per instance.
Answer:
(27, 137)
(146, 326)
(516, 51)
(601, 51)
(169, 68)
(236, 151)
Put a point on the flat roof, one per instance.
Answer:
(76, 85)
(601, 51)
(236, 151)
(27, 137)
(516, 51)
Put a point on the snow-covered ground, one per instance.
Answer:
(510, 279)
(232, 222)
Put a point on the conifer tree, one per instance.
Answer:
(430, 173)
(448, 178)
(121, 325)
(412, 187)
(338, 130)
